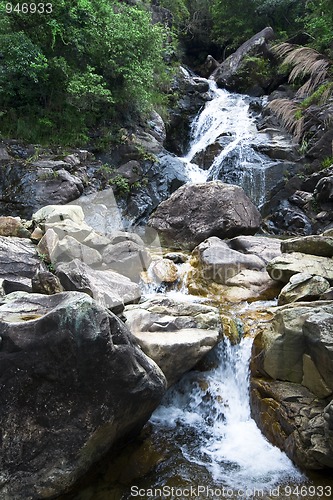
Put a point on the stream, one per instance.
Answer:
(201, 442)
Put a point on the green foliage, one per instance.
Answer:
(121, 184)
(179, 11)
(318, 21)
(89, 62)
(234, 21)
(319, 96)
(327, 162)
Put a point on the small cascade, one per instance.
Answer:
(226, 145)
(213, 408)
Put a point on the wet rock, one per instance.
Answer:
(192, 93)
(323, 193)
(175, 334)
(284, 267)
(312, 244)
(303, 287)
(197, 211)
(164, 271)
(73, 384)
(176, 257)
(288, 219)
(109, 289)
(290, 407)
(292, 418)
(159, 180)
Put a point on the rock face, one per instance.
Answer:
(229, 73)
(197, 211)
(109, 289)
(235, 269)
(73, 383)
(175, 334)
(24, 189)
(19, 262)
(292, 382)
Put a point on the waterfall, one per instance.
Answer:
(213, 408)
(226, 144)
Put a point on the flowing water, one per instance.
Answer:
(226, 144)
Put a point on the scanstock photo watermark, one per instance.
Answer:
(201, 491)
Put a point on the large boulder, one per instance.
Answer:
(197, 211)
(73, 383)
(127, 257)
(109, 289)
(175, 334)
(218, 262)
(282, 268)
(233, 270)
(313, 244)
(303, 287)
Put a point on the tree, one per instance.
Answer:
(87, 61)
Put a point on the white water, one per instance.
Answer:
(213, 407)
(226, 122)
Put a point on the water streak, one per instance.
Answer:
(214, 408)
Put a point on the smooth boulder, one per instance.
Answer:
(175, 334)
(196, 212)
(73, 383)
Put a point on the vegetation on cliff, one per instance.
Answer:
(92, 64)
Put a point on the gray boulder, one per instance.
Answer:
(73, 383)
(284, 267)
(56, 213)
(314, 244)
(265, 248)
(175, 334)
(303, 287)
(219, 263)
(109, 289)
(197, 211)
(25, 188)
(19, 262)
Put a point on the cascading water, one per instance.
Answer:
(213, 409)
(225, 144)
